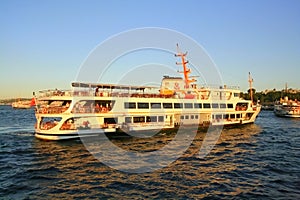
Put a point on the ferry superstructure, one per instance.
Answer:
(90, 108)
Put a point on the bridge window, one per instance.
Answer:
(241, 106)
(218, 116)
(188, 105)
(222, 105)
(111, 120)
(130, 105)
(138, 119)
(197, 105)
(127, 119)
(151, 118)
(155, 105)
(143, 105)
(206, 105)
(229, 105)
(167, 105)
(160, 118)
(215, 105)
(178, 105)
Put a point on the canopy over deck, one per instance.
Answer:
(111, 86)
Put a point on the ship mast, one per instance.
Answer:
(250, 80)
(186, 71)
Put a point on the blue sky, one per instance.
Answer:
(44, 43)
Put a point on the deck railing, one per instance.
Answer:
(117, 93)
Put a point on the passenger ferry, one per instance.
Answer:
(90, 109)
(287, 108)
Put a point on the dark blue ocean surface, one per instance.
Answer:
(260, 160)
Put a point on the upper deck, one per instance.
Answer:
(113, 90)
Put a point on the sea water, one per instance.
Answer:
(260, 160)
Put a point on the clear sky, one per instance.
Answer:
(43, 43)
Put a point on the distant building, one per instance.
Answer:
(290, 91)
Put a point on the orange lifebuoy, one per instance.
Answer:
(104, 109)
(44, 110)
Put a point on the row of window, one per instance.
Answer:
(140, 105)
(231, 116)
(141, 119)
(226, 116)
(216, 116)
(189, 117)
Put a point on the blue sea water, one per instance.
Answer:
(260, 161)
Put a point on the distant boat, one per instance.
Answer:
(287, 108)
(23, 104)
(268, 107)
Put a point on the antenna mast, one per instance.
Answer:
(186, 71)
(250, 79)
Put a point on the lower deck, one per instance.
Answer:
(69, 126)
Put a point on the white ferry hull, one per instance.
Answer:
(43, 136)
(75, 134)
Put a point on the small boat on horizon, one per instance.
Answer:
(23, 104)
(287, 108)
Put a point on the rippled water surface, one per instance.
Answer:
(260, 160)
